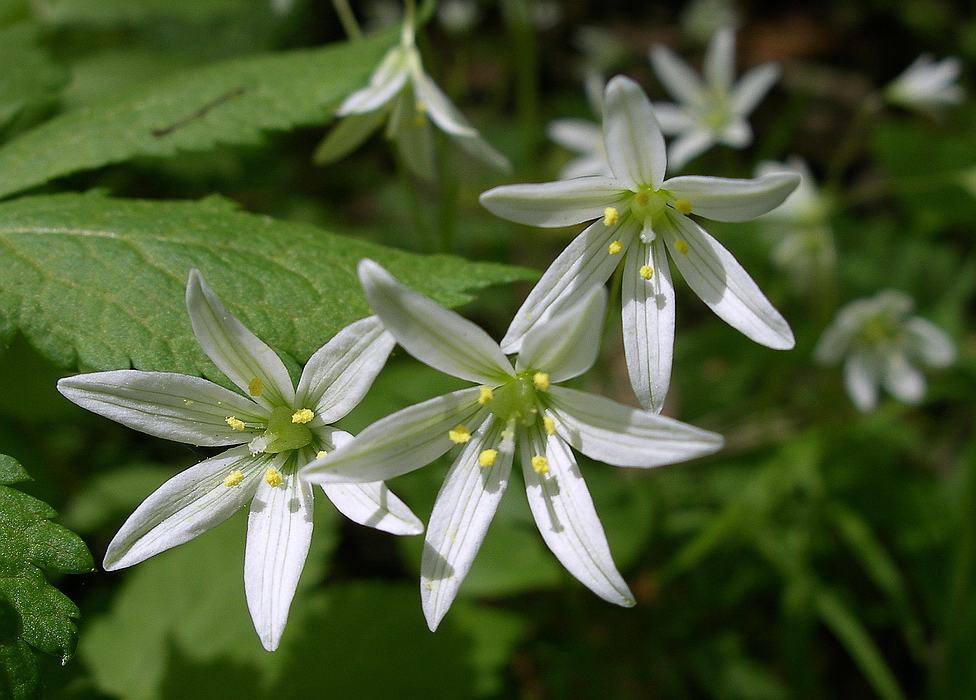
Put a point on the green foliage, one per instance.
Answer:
(36, 77)
(98, 282)
(32, 611)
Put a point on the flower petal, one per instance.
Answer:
(752, 87)
(576, 135)
(902, 380)
(483, 151)
(440, 109)
(723, 284)
(567, 344)
(687, 146)
(237, 352)
(279, 531)
(675, 75)
(632, 137)
(585, 263)
(932, 344)
(171, 406)
(340, 373)
(733, 199)
(673, 120)
(406, 440)
(719, 62)
(564, 512)
(187, 505)
(553, 204)
(648, 322)
(434, 335)
(737, 134)
(862, 375)
(462, 512)
(610, 432)
(385, 82)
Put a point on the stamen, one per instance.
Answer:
(541, 381)
(681, 247)
(234, 423)
(255, 387)
(549, 424)
(682, 206)
(188, 402)
(459, 435)
(320, 454)
(272, 477)
(302, 416)
(615, 248)
(610, 216)
(486, 395)
(646, 272)
(234, 478)
(487, 458)
(540, 465)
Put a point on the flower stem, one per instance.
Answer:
(348, 19)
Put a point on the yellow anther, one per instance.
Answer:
(235, 423)
(610, 216)
(642, 198)
(549, 424)
(188, 402)
(682, 206)
(421, 107)
(541, 381)
(487, 458)
(681, 247)
(459, 435)
(320, 454)
(615, 248)
(485, 396)
(303, 415)
(540, 465)
(234, 478)
(272, 477)
(646, 272)
(255, 387)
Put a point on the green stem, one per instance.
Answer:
(347, 19)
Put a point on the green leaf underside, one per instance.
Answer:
(98, 283)
(28, 543)
(230, 102)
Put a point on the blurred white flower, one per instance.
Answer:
(710, 111)
(702, 18)
(927, 85)
(582, 137)
(880, 343)
(458, 16)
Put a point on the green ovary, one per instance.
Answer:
(282, 434)
(516, 400)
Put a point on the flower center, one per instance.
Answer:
(649, 206)
(283, 433)
(517, 400)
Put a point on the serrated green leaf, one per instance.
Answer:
(10, 471)
(36, 75)
(20, 677)
(99, 282)
(230, 102)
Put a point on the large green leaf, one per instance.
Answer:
(30, 74)
(230, 102)
(98, 283)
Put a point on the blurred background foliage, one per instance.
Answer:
(823, 554)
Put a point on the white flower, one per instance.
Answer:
(582, 137)
(710, 111)
(927, 85)
(880, 342)
(803, 242)
(642, 221)
(401, 91)
(276, 428)
(513, 407)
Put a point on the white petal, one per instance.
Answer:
(932, 344)
(462, 512)
(237, 352)
(440, 109)
(673, 120)
(719, 61)
(567, 520)
(340, 373)
(585, 166)
(632, 137)
(610, 432)
(648, 323)
(404, 441)
(279, 530)
(687, 146)
(187, 505)
(585, 263)
(737, 134)
(567, 344)
(387, 80)
(553, 204)
(171, 406)
(434, 335)
(723, 284)
(348, 135)
(482, 150)
(733, 199)
(752, 87)
(902, 380)
(675, 75)
(861, 377)
(576, 135)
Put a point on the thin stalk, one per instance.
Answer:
(347, 19)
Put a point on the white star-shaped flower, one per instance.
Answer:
(643, 219)
(401, 91)
(927, 85)
(880, 342)
(277, 429)
(513, 408)
(710, 111)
